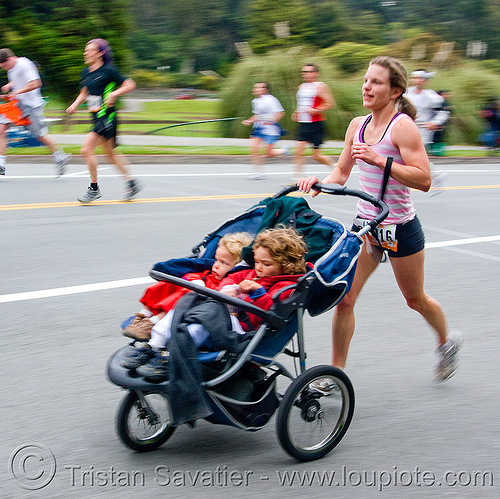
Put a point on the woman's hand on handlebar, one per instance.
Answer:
(305, 185)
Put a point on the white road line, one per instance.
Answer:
(123, 283)
(210, 174)
(457, 242)
(71, 290)
(475, 253)
(157, 175)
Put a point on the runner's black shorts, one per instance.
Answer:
(409, 235)
(106, 125)
(311, 132)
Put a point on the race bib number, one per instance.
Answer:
(94, 103)
(385, 235)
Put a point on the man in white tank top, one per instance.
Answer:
(313, 99)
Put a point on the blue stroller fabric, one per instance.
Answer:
(334, 271)
(179, 267)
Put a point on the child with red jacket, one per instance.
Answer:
(161, 297)
(279, 262)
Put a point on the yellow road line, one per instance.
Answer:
(178, 199)
(183, 199)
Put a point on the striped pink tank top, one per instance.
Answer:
(397, 196)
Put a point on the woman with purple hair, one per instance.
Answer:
(101, 84)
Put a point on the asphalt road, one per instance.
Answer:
(410, 436)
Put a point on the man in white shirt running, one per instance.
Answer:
(266, 113)
(24, 85)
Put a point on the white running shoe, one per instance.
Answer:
(132, 189)
(89, 196)
(325, 386)
(61, 164)
(287, 153)
(448, 357)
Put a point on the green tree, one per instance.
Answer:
(352, 57)
(264, 15)
(331, 24)
(203, 32)
(54, 35)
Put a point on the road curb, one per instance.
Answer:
(218, 158)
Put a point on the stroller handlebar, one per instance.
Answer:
(340, 190)
(271, 318)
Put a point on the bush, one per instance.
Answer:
(281, 70)
(206, 82)
(352, 57)
(491, 64)
(150, 79)
(155, 79)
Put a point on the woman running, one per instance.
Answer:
(388, 135)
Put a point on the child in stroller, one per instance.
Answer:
(161, 297)
(279, 262)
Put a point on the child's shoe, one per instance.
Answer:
(138, 357)
(156, 369)
(139, 329)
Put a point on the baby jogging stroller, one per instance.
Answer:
(240, 388)
(17, 134)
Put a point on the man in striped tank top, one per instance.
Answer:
(313, 99)
(388, 132)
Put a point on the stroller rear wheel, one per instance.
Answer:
(310, 422)
(144, 420)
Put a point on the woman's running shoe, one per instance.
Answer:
(448, 357)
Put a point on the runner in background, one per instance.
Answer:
(101, 84)
(24, 85)
(313, 99)
(431, 115)
(267, 111)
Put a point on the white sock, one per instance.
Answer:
(157, 342)
(146, 312)
(2, 160)
(162, 327)
(155, 319)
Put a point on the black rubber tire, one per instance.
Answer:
(304, 411)
(130, 414)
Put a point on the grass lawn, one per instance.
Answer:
(211, 151)
(162, 114)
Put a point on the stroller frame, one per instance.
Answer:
(311, 421)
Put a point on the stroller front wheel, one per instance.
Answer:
(144, 420)
(311, 422)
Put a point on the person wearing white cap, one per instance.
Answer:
(427, 103)
(431, 114)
